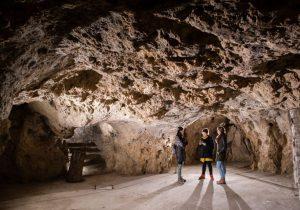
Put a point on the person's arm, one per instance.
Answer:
(184, 141)
(174, 149)
(200, 142)
(224, 145)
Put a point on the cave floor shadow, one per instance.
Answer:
(206, 201)
(147, 197)
(235, 202)
(191, 202)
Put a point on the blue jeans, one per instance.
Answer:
(179, 169)
(222, 169)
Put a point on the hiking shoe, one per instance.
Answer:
(180, 181)
(222, 181)
(202, 177)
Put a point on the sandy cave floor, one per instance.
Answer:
(245, 190)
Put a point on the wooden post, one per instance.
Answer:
(76, 166)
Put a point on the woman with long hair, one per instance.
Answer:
(221, 142)
(179, 152)
(206, 147)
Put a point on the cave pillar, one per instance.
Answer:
(295, 127)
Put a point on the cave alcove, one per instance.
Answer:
(239, 147)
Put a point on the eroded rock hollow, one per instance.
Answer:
(126, 74)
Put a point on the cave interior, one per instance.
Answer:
(116, 79)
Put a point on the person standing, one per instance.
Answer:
(221, 142)
(179, 151)
(206, 149)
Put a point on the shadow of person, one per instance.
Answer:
(144, 198)
(161, 190)
(191, 202)
(235, 202)
(207, 200)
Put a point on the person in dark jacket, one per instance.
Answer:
(206, 149)
(221, 142)
(179, 151)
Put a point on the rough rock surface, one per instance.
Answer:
(193, 134)
(37, 157)
(239, 147)
(158, 64)
(128, 147)
(270, 139)
(31, 153)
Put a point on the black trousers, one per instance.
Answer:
(208, 163)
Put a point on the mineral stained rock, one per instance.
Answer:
(156, 64)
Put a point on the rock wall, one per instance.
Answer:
(30, 153)
(239, 147)
(151, 63)
(37, 157)
(269, 135)
(193, 134)
(129, 148)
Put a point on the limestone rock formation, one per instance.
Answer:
(239, 147)
(270, 137)
(31, 153)
(37, 157)
(156, 65)
(193, 134)
(128, 147)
